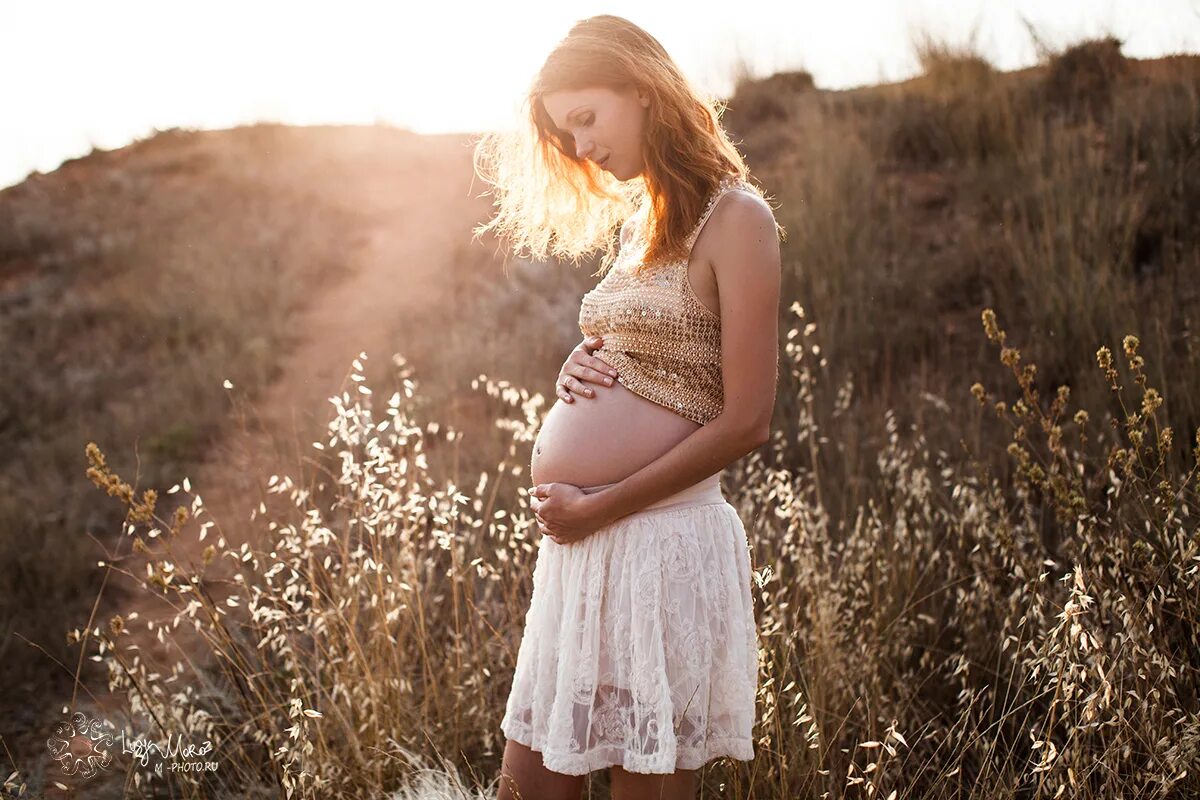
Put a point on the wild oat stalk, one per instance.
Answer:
(1120, 663)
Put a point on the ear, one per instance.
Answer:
(643, 96)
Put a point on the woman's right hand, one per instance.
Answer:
(582, 366)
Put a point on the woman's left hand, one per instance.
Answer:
(565, 513)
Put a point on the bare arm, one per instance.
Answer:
(746, 262)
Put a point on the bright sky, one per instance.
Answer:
(83, 74)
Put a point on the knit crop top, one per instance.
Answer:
(664, 343)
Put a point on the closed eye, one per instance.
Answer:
(585, 123)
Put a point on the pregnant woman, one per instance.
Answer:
(639, 652)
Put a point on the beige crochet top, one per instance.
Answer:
(664, 343)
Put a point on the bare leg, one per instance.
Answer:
(523, 776)
(679, 785)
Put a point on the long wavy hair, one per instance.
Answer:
(551, 203)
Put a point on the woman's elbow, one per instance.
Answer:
(760, 435)
(752, 433)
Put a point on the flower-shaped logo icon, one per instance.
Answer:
(81, 746)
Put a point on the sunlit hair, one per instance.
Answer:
(551, 203)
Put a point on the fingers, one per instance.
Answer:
(574, 385)
(581, 367)
(544, 529)
(593, 366)
(600, 365)
(597, 372)
(591, 369)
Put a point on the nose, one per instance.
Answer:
(583, 148)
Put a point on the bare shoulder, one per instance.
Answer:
(737, 202)
(742, 231)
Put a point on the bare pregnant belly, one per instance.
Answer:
(604, 439)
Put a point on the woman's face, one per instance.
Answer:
(606, 125)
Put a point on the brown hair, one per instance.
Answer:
(552, 203)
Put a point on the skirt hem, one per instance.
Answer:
(738, 749)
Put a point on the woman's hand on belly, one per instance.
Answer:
(565, 513)
(582, 366)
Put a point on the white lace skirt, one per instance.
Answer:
(640, 648)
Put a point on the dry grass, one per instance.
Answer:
(942, 641)
(961, 591)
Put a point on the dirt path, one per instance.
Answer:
(422, 206)
(419, 230)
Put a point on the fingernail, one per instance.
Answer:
(608, 381)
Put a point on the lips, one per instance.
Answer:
(604, 160)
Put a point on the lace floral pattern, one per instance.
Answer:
(640, 647)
